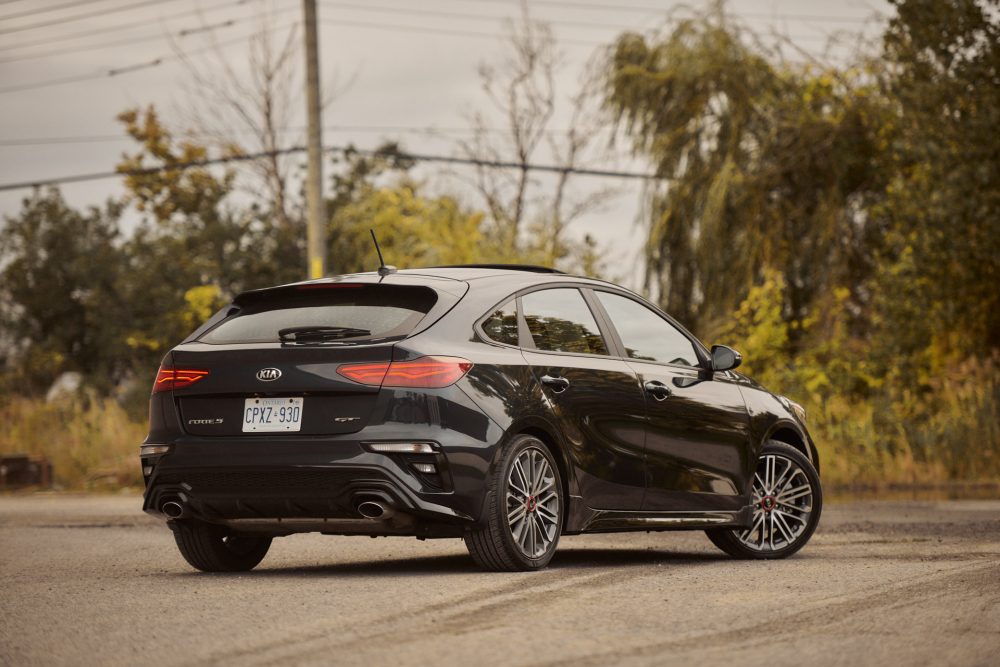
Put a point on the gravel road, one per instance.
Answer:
(92, 581)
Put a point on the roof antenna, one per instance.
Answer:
(383, 270)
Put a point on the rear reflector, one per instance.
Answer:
(401, 447)
(423, 373)
(168, 379)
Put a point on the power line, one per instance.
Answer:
(116, 27)
(49, 8)
(381, 25)
(472, 17)
(115, 71)
(341, 22)
(568, 4)
(387, 129)
(186, 32)
(246, 157)
(349, 6)
(102, 45)
(479, 17)
(77, 17)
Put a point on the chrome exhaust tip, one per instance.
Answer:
(374, 510)
(172, 509)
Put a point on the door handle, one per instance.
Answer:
(658, 390)
(558, 384)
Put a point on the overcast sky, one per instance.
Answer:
(412, 66)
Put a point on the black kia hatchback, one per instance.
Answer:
(505, 405)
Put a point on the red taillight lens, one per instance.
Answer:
(371, 374)
(425, 372)
(168, 379)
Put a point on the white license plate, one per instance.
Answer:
(272, 414)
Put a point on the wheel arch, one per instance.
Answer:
(790, 434)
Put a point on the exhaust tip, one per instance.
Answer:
(172, 509)
(373, 510)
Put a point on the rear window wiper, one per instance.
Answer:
(319, 334)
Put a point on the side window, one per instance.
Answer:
(645, 334)
(501, 325)
(560, 321)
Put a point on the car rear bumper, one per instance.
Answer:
(287, 485)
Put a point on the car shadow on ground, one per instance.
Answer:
(461, 564)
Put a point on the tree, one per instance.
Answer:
(937, 287)
(528, 217)
(60, 292)
(190, 238)
(376, 192)
(762, 167)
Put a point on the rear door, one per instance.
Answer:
(697, 431)
(595, 398)
(257, 381)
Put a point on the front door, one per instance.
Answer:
(595, 398)
(697, 430)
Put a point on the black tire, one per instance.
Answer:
(728, 539)
(493, 546)
(212, 548)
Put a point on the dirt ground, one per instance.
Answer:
(90, 580)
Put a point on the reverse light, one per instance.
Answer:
(423, 373)
(153, 450)
(168, 379)
(401, 447)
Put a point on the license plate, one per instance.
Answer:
(272, 414)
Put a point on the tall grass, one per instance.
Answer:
(951, 434)
(92, 444)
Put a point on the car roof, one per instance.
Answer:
(514, 276)
(481, 271)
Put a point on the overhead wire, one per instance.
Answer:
(186, 32)
(111, 72)
(386, 129)
(569, 4)
(47, 8)
(77, 17)
(91, 32)
(245, 157)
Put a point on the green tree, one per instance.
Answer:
(938, 295)
(762, 166)
(414, 230)
(191, 237)
(61, 292)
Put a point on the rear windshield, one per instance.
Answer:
(384, 311)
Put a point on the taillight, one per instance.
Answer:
(424, 373)
(168, 379)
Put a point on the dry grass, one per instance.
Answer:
(93, 445)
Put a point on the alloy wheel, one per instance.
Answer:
(532, 503)
(783, 503)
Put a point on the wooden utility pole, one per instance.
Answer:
(315, 220)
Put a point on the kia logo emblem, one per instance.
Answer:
(268, 374)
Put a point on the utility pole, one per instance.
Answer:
(316, 224)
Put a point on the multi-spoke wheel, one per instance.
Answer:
(787, 500)
(532, 503)
(524, 518)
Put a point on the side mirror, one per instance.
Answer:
(725, 358)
